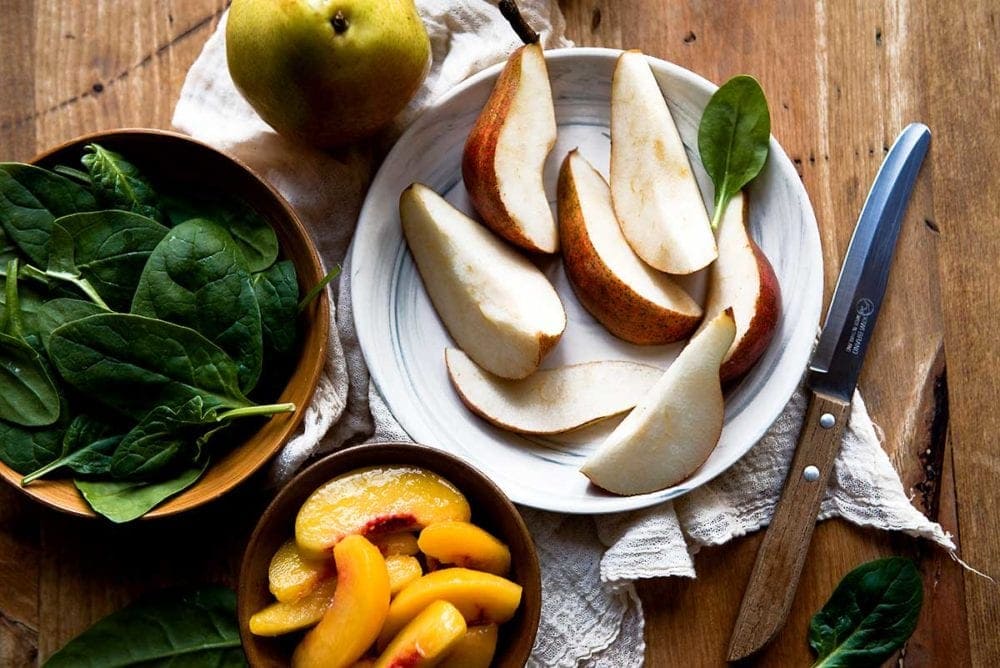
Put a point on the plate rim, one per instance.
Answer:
(611, 504)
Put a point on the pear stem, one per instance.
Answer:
(511, 12)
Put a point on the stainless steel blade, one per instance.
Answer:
(854, 309)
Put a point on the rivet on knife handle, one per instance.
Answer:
(782, 553)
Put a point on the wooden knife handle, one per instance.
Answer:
(781, 555)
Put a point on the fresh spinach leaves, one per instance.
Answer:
(733, 138)
(277, 293)
(119, 184)
(160, 440)
(86, 449)
(28, 449)
(124, 501)
(30, 199)
(195, 277)
(49, 315)
(171, 628)
(871, 613)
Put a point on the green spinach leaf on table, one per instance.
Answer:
(195, 277)
(119, 184)
(170, 628)
(869, 616)
(131, 363)
(109, 249)
(277, 291)
(734, 138)
(30, 199)
(124, 501)
(54, 313)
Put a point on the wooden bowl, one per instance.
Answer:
(491, 509)
(178, 159)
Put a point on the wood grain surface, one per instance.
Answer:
(842, 78)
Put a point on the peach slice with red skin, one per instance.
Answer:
(464, 544)
(482, 598)
(375, 500)
(291, 575)
(473, 650)
(427, 638)
(403, 569)
(287, 616)
(359, 608)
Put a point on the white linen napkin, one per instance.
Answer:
(591, 614)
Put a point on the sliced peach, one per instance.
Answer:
(482, 598)
(373, 501)
(363, 663)
(287, 616)
(401, 542)
(291, 575)
(403, 569)
(359, 608)
(428, 637)
(473, 650)
(465, 544)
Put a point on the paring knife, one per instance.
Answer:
(833, 375)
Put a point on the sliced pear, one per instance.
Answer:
(506, 150)
(499, 307)
(633, 301)
(655, 194)
(550, 401)
(743, 278)
(677, 424)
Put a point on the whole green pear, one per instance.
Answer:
(327, 72)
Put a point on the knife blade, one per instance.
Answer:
(833, 375)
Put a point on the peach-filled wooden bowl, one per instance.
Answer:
(491, 510)
(182, 161)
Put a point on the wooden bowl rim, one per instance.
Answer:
(309, 373)
(530, 581)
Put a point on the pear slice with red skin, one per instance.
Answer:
(506, 150)
(675, 427)
(550, 401)
(743, 278)
(498, 306)
(656, 196)
(631, 299)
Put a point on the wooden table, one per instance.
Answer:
(842, 78)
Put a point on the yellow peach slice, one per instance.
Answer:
(363, 663)
(482, 598)
(428, 637)
(401, 542)
(403, 569)
(473, 650)
(373, 501)
(465, 544)
(287, 616)
(291, 575)
(359, 608)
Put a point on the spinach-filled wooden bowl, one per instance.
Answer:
(383, 509)
(180, 171)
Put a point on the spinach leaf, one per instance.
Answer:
(132, 363)
(83, 178)
(25, 449)
(870, 615)
(86, 450)
(171, 628)
(119, 184)
(30, 303)
(49, 315)
(29, 397)
(30, 199)
(195, 278)
(108, 249)
(122, 501)
(277, 291)
(733, 138)
(162, 438)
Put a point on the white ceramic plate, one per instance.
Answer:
(403, 340)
